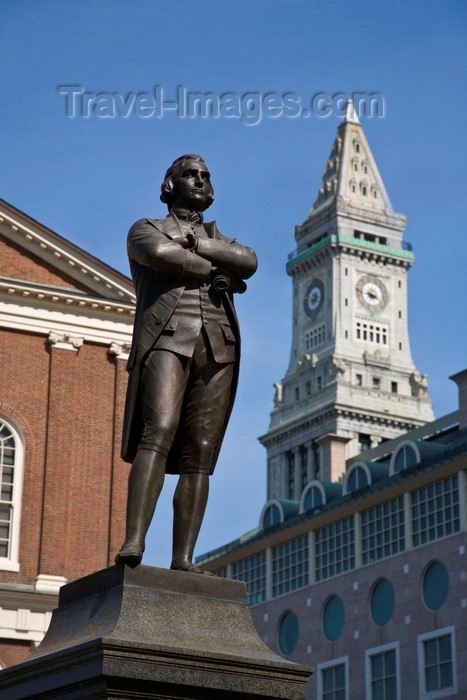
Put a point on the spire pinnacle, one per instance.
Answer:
(350, 114)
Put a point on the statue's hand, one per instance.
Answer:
(186, 240)
(222, 280)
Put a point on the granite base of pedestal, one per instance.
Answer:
(152, 633)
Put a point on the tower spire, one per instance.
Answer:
(351, 175)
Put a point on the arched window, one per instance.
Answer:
(358, 479)
(11, 467)
(406, 457)
(313, 498)
(272, 516)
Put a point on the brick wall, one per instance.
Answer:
(14, 652)
(68, 406)
(19, 264)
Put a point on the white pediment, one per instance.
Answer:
(62, 255)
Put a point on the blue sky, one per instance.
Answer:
(89, 179)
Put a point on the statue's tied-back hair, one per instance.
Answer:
(168, 185)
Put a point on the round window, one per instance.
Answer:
(333, 618)
(435, 585)
(382, 602)
(288, 633)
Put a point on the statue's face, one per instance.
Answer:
(192, 186)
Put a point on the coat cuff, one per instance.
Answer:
(235, 257)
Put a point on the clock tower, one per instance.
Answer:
(351, 381)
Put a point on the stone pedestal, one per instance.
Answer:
(152, 633)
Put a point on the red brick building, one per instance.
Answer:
(65, 328)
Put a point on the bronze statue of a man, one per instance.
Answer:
(184, 359)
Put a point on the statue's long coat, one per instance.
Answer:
(160, 281)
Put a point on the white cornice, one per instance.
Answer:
(86, 270)
(92, 325)
(33, 294)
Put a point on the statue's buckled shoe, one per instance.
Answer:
(190, 568)
(130, 554)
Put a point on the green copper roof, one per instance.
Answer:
(356, 243)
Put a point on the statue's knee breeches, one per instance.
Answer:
(163, 383)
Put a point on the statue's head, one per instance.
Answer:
(187, 184)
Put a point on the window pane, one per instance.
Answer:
(446, 675)
(340, 676)
(431, 656)
(431, 678)
(328, 680)
(391, 689)
(5, 513)
(9, 457)
(390, 658)
(378, 690)
(377, 666)
(445, 648)
(6, 493)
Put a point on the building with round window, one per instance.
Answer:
(359, 564)
(365, 578)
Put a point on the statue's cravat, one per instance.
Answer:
(193, 217)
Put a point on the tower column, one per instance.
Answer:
(332, 456)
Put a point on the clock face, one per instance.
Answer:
(372, 293)
(314, 298)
